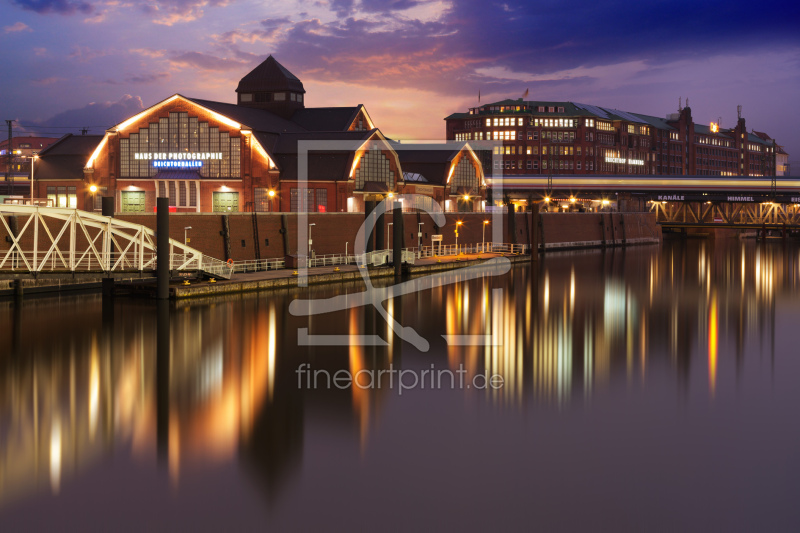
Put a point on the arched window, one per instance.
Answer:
(465, 175)
(374, 166)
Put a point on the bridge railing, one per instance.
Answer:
(49, 238)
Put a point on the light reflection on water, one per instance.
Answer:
(80, 381)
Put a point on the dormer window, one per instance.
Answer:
(246, 97)
(279, 97)
(299, 97)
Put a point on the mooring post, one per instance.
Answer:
(533, 233)
(369, 206)
(162, 248)
(397, 239)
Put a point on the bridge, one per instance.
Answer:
(61, 240)
(678, 201)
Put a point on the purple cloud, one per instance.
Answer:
(206, 62)
(169, 12)
(61, 7)
(102, 114)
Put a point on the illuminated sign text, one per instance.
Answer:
(179, 156)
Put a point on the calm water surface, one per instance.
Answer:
(655, 388)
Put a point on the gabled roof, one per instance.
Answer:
(287, 143)
(66, 158)
(71, 144)
(326, 118)
(704, 129)
(656, 122)
(758, 140)
(270, 76)
(433, 165)
(255, 119)
(35, 142)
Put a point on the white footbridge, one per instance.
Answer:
(52, 239)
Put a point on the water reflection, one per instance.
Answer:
(82, 380)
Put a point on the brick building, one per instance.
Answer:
(210, 156)
(573, 138)
(15, 162)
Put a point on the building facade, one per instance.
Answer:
(16, 157)
(252, 156)
(573, 138)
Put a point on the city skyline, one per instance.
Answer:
(411, 63)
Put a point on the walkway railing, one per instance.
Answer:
(258, 265)
(479, 248)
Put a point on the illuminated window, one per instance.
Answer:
(631, 128)
(374, 166)
(519, 122)
(528, 150)
(464, 175)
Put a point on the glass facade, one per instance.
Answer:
(180, 134)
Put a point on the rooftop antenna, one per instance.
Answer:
(84, 131)
(739, 110)
(680, 104)
(719, 122)
(687, 101)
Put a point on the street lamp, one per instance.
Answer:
(483, 236)
(458, 225)
(93, 189)
(185, 240)
(271, 195)
(309, 238)
(387, 234)
(419, 234)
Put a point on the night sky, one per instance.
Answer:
(73, 63)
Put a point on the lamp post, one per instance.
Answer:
(271, 195)
(185, 240)
(419, 234)
(309, 238)
(387, 234)
(458, 225)
(483, 236)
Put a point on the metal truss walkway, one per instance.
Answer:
(727, 214)
(51, 239)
